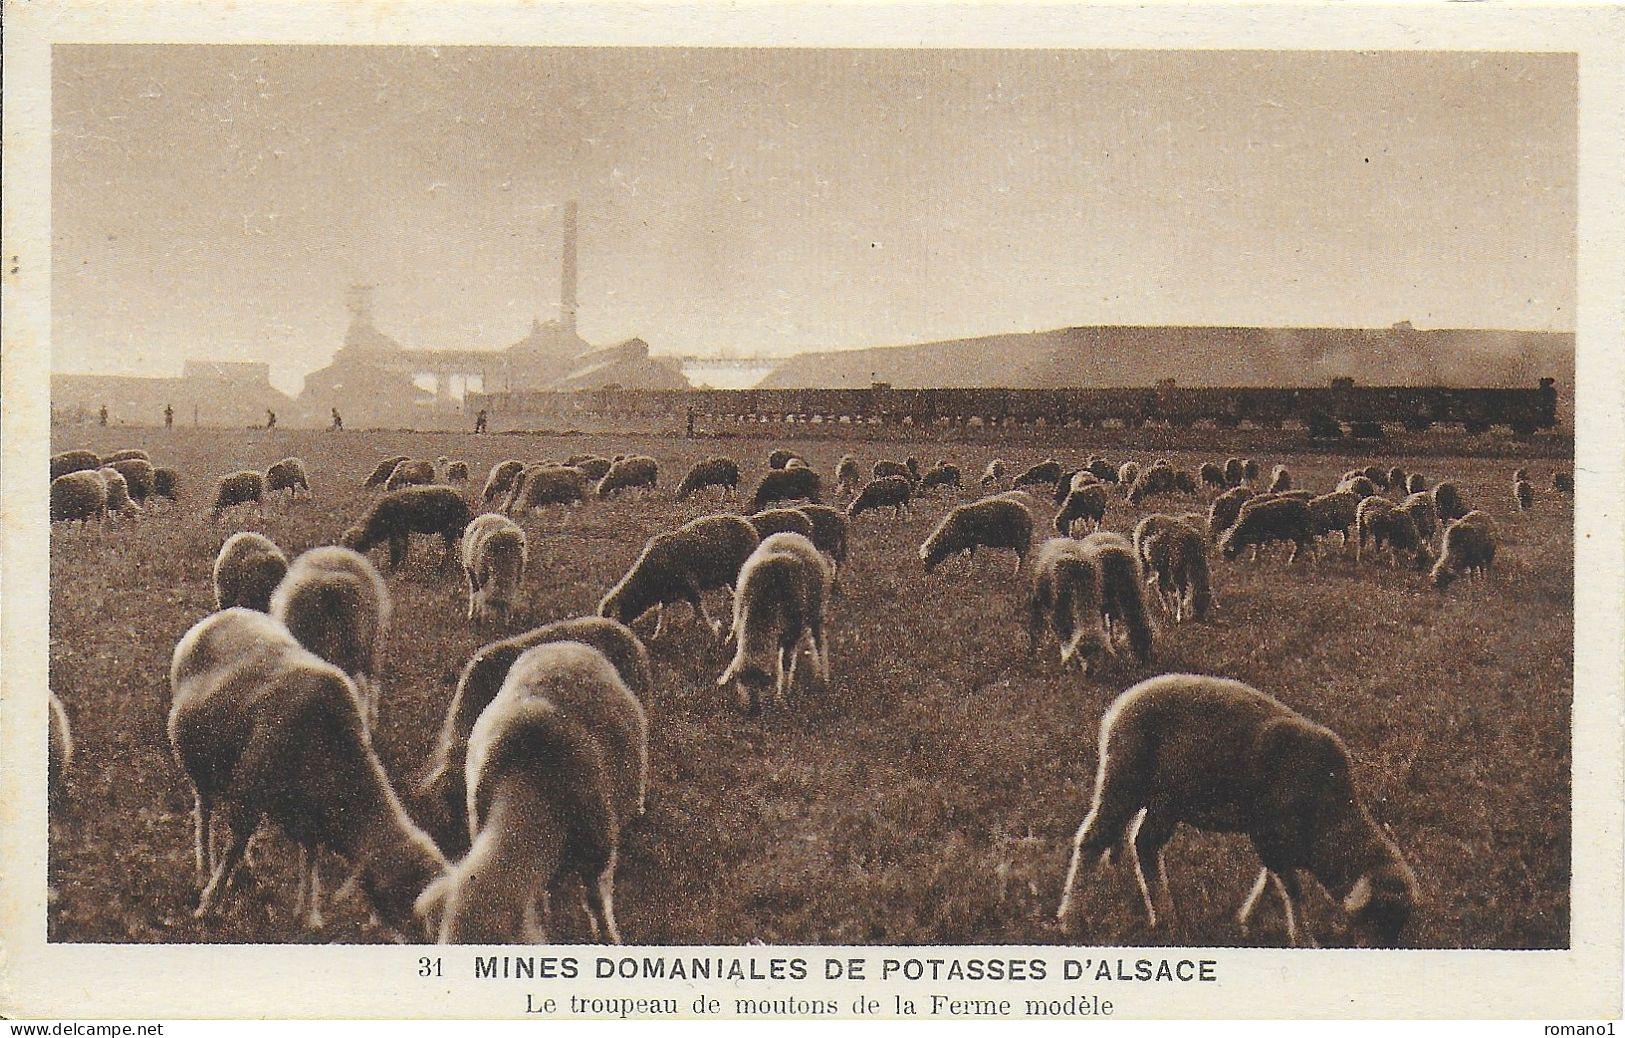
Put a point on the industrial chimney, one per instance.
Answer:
(567, 289)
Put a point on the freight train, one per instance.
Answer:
(1323, 410)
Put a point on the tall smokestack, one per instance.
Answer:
(567, 289)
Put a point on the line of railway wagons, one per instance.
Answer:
(1321, 409)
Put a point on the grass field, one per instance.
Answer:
(930, 796)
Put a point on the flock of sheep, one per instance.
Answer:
(543, 756)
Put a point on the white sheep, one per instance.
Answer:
(335, 603)
(1065, 597)
(680, 566)
(442, 793)
(1219, 755)
(247, 570)
(1468, 549)
(556, 768)
(780, 606)
(264, 728)
(495, 554)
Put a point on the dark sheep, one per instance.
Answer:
(1219, 755)
(1563, 482)
(79, 496)
(166, 483)
(385, 469)
(780, 458)
(1280, 480)
(1420, 508)
(830, 530)
(1388, 527)
(1416, 483)
(993, 473)
(993, 522)
(1447, 501)
(1523, 492)
(1158, 479)
(1469, 548)
(73, 461)
(894, 492)
(1212, 475)
(786, 485)
(1122, 590)
(1065, 598)
(680, 566)
(1046, 471)
(500, 480)
(138, 477)
(128, 454)
(412, 473)
(247, 570)
(433, 510)
(712, 472)
(1262, 523)
(1360, 485)
(1233, 473)
(594, 467)
(781, 520)
(1223, 511)
(118, 491)
(540, 485)
(457, 472)
(848, 476)
(1175, 554)
(287, 474)
(1082, 504)
(1249, 470)
(1337, 512)
(942, 475)
(637, 470)
(1397, 478)
(1377, 475)
(909, 470)
(442, 791)
(239, 488)
(1102, 469)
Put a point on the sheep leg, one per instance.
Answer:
(660, 620)
(1291, 894)
(202, 849)
(240, 835)
(601, 901)
(794, 653)
(698, 601)
(397, 549)
(309, 902)
(1139, 869)
(1245, 912)
(1150, 837)
(1093, 842)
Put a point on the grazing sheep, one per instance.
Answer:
(1158, 479)
(287, 474)
(1233, 472)
(780, 606)
(384, 469)
(1520, 473)
(128, 454)
(829, 531)
(1377, 475)
(1063, 486)
(786, 485)
(336, 605)
(1122, 590)
(1360, 485)
(118, 491)
(1065, 596)
(495, 553)
(1102, 469)
(540, 485)
(247, 571)
(1223, 511)
(848, 475)
(993, 473)
(1212, 475)
(1420, 508)
(1083, 504)
(264, 728)
(781, 520)
(593, 466)
(1416, 483)
(1389, 527)
(73, 461)
(993, 522)
(1336, 512)
(79, 496)
(909, 470)
(1221, 756)
(58, 754)
(1280, 480)
(1249, 470)
(941, 475)
(680, 566)
(1524, 493)
(1046, 471)
(400, 513)
(1264, 522)
(442, 792)
(1127, 474)
(712, 472)
(501, 479)
(239, 488)
(1184, 483)
(1468, 549)
(138, 477)
(1397, 478)
(1563, 482)
(1447, 501)
(457, 472)
(166, 483)
(637, 470)
(1174, 554)
(556, 768)
(412, 473)
(894, 492)
(780, 458)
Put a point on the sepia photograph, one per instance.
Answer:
(1047, 497)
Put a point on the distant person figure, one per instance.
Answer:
(270, 418)
(102, 414)
(691, 423)
(338, 423)
(169, 417)
(479, 422)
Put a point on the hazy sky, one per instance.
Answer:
(214, 201)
